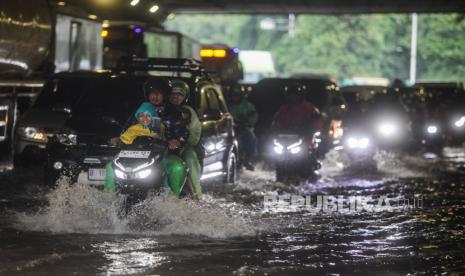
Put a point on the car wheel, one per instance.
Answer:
(231, 169)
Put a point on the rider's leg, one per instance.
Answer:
(193, 164)
(250, 147)
(109, 178)
(175, 174)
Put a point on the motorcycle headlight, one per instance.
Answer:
(296, 147)
(295, 150)
(32, 133)
(460, 122)
(68, 139)
(145, 165)
(432, 129)
(354, 142)
(121, 175)
(144, 173)
(388, 129)
(278, 148)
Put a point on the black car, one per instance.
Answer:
(78, 112)
(440, 114)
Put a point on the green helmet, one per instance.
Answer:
(180, 87)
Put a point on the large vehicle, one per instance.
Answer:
(42, 39)
(257, 65)
(222, 62)
(139, 40)
(75, 116)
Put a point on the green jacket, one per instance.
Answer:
(194, 127)
(244, 113)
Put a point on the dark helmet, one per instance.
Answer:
(180, 87)
(295, 91)
(157, 84)
(237, 90)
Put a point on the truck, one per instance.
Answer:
(39, 38)
(138, 39)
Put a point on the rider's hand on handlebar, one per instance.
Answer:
(173, 144)
(114, 141)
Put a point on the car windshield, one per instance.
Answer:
(93, 97)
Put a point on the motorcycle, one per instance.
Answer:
(432, 135)
(359, 145)
(143, 167)
(294, 155)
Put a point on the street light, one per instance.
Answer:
(154, 8)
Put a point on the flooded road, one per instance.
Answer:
(79, 230)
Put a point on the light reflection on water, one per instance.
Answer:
(130, 256)
(428, 240)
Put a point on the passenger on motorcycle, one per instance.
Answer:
(245, 118)
(177, 103)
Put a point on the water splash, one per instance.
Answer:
(79, 208)
(383, 164)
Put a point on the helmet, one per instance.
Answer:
(237, 90)
(180, 87)
(295, 91)
(146, 108)
(157, 84)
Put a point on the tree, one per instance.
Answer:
(343, 46)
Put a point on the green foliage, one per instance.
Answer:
(344, 46)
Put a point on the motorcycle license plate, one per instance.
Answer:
(134, 154)
(96, 174)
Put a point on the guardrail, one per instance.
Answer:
(15, 97)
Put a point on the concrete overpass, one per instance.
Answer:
(122, 10)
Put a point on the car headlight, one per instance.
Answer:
(32, 133)
(121, 175)
(460, 122)
(388, 129)
(68, 139)
(361, 143)
(296, 147)
(144, 173)
(278, 148)
(432, 129)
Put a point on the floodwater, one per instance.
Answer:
(78, 230)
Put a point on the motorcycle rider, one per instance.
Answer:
(245, 118)
(297, 112)
(146, 116)
(177, 103)
(150, 120)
